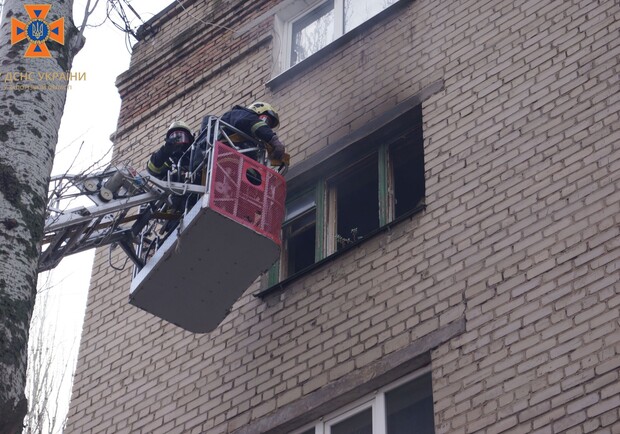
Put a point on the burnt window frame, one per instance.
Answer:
(298, 216)
(336, 238)
(317, 179)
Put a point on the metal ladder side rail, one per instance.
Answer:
(84, 214)
(69, 231)
(81, 235)
(68, 188)
(74, 230)
(52, 255)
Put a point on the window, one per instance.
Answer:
(358, 11)
(353, 204)
(303, 32)
(410, 405)
(407, 169)
(357, 423)
(404, 407)
(312, 32)
(374, 182)
(300, 233)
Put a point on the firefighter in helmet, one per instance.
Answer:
(257, 120)
(178, 140)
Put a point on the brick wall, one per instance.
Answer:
(523, 168)
(518, 242)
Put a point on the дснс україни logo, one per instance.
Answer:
(37, 31)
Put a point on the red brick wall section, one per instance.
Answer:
(519, 237)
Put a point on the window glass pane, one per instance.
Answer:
(312, 32)
(300, 240)
(299, 205)
(409, 408)
(357, 197)
(358, 11)
(360, 423)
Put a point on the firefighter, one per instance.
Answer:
(258, 120)
(178, 140)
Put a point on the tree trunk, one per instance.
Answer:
(33, 92)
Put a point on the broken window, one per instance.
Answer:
(299, 231)
(354, 204)
(353, 194)
(407, 170)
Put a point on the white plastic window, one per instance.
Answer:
(358, 11)
(403, 407)
(312, 32)
(303, 33)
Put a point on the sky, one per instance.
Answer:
(89, 119)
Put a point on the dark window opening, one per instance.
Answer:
(407, 172)
(300, 236)
(357, 204)
(352, 193)
(299, 232)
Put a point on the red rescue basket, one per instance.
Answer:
(221, 246)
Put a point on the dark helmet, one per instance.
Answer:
(179, 133)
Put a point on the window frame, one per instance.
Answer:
(326, 221)
(283, 263)
(306, 16)
(375, 400)
(331, 185)
(379, 140)
(339, 30)
(286, 16)
(326, 427)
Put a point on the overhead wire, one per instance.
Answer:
(122, 22)
(125, 26)
(116, 6)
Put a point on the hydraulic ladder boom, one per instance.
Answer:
(84, 212)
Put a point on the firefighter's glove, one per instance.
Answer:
(170, 147)
(278, 148)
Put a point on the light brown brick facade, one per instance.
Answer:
(507, 283)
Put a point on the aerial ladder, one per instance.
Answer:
(196, 239)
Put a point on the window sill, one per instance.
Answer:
(281, 286)
(313, 60)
